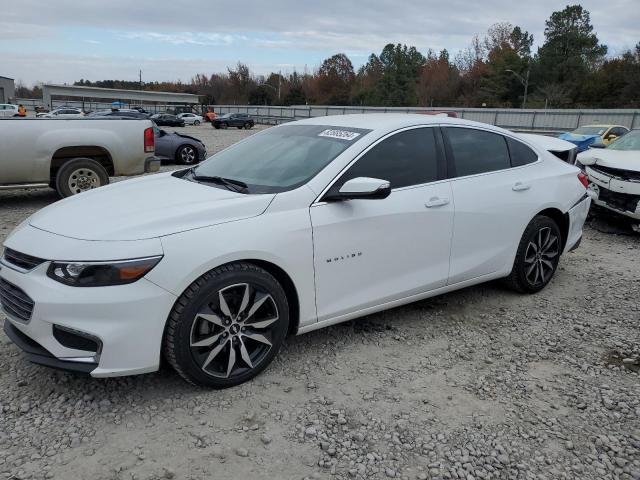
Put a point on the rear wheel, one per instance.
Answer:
(227, 326)
(80, 175)
(537, 256)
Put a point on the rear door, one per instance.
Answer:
(370, 252)
(496, 191)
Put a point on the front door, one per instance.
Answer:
(370, 252)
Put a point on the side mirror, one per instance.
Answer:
(162, 133)
(362, 188)
(612, 137)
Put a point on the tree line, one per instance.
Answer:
(570, 69)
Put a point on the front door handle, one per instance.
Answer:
(520, 187)
(436, 202)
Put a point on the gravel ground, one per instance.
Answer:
(477, 384)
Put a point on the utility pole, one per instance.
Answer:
(279, 82)
(525, 83)
(140, 79)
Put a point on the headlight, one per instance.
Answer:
(101, 274)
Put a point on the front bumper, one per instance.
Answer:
(127, 322)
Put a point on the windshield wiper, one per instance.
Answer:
(232, 184)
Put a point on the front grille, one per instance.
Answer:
(621, 201)
(14, 301)
(21, 260)
(617, 173)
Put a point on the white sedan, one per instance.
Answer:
(296, 228)
(63, 112)
(614, 176)
(191, 118)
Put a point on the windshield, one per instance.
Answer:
(589, 131)
(630, 141)
(280, 158)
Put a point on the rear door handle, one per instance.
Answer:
(520, 187)
(436, 202)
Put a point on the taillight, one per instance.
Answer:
(583, 180)
(149, 141)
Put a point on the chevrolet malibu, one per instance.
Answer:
(296, 228)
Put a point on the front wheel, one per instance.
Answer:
(227, 326)
(80, 175)
(196, 123)
(537, 256)
(187, 155)
(248, 126)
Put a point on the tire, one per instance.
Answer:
(199, 348)
(216, 126)
(225, 125)
(248, 126)
(240, 127)
(187, 155)
(196, 122)
(534, 267)
(79, 175)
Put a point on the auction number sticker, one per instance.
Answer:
(339, 134)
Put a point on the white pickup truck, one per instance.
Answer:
(73, 155)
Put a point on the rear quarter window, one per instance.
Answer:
(520, 153)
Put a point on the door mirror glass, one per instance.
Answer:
(363, 188)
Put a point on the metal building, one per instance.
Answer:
(7, 90)
(82, 94)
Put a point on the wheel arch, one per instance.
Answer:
(289, 287)
(561, 219)
(94, 152)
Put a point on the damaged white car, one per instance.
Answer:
(614, 176)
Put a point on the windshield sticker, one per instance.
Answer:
(339, 134)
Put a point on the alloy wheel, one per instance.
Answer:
(83, 179)
(188, 155)
(541, 256)
(232, 332)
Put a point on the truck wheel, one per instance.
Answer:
(248, 126)
(79, 175)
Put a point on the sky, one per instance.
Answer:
(62, 41)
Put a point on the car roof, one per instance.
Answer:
(392, 121)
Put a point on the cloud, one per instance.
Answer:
(185, 38)
(261, 33)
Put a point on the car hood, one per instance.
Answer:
(146, 207)
(187, 136)
(620, 159)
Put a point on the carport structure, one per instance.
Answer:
(94, 95)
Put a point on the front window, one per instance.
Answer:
(589, 131)
(281, 158)
(630, 141)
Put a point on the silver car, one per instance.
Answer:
(178, 148)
